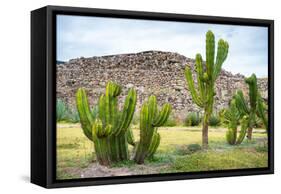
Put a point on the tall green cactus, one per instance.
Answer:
(248, 109)
(150, 119)
(203, 94)
(231, 117)
(109, 130)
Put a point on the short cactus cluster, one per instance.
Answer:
(110, 130)
(246, 112)
(232, 116)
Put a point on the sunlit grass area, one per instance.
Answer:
(75, 152)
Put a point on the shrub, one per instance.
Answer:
(181, 150)
(73, 116)
(193, 148)
(190, 149)
(61, 110)
(192, 119)
(214, 120)
(262, 148)
(65, 113)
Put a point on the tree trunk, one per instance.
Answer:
(249, 133)
(205, 131)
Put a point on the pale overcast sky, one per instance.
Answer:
(96, 36)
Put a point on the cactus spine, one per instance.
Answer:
(248, 109)
(150, 119)
(207, 74)
(109, 130)
(232, 116)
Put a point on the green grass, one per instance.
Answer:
(216, 160)
(75, 151)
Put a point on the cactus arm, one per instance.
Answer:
(116, 90)
(199, 66)
(200, 75)
(222, 53)
(195, 97)
(163, 115)
(253, 90)
(128, 111)
(101, 105)
(149, 121)
(130, 137)
(244, 126)
(148, 127)
(108, 103)
(131, 108)
(115, 113)
(110, 106)
(241, 103)
(230, 136)
(84, 111)
(261, 112)
(101, 131)
(144, 127)
(154, 145)
(210, 53)
(253, 93)
(152, 104)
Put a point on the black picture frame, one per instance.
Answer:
(43, 95)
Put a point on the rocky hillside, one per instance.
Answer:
(150, 72)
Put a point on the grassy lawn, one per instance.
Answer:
(75, 152)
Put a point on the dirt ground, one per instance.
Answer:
(96, 170)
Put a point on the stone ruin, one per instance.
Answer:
(150, 72)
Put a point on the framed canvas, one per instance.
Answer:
(126, 96)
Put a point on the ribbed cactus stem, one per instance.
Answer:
(203, 94)
(150, 119)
